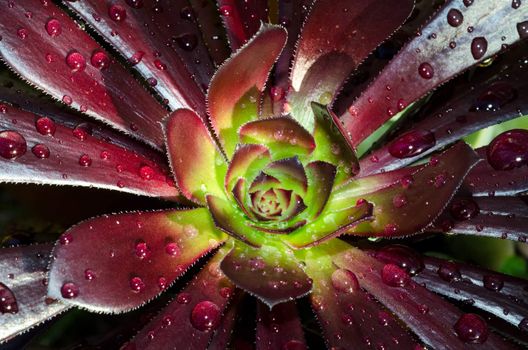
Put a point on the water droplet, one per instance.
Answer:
(69, 290)
(412, 143)
(8, 303)
(226, 10)
(493, 282)
(12, 144)
(160, 65)
(85, 160)
(187, 41)
(136, 58)
(509, 150)
(471, 328)
(22, 33)
(135, 3)
(277, 93)
(53, 27)
(226, 292)
(345, 281)
(187, 13)
(89, 275)
(104, 155)
(82, 131)
(40, 151)
(425, 70)
(522, 29)
(468, 3)
(464, 208)
(167, 321)
(394, 276)
(67, 100)
(402, 256)
(152, 81)
(183, 298)
(516, 4)
(172, 249)
(76, 61)
(399, 200)
(390, 229)
(142, 250)
(448, 271)
(66, 238)
(455, 17)
(100, 59)
(494, 98)
(45, 126)
(479, 46)
(137, 285)
(117, 13)
(146, 172)
(205, 316)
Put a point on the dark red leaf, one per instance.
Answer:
(501, 295)
(242, 19)
(61, 64)
(350, 317)
(122, 261)
(189, 320)
(270, 273)
(50, 151)
(428, 60)
(484, 180)
(161, 41)
(492, 95)
(431, 318)
(325, 58)
(410, 204)
(279, 328)
(23, 300)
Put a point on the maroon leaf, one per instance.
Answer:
(475, 32)
(500, 295)
(409, 205)
(42, 150)
(325, 58)
(124, 260)
(23, 300)
(484, 180)
(70, 66)
(222, 336)
(492, 95)
(160, 40)
(500, 217)
(279, 328)
(433, 320)
(350, 317)
(242, 19)
(270, 273)
(191, 318)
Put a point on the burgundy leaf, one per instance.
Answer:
(433, 320)
(190, 319)
(270, 273)
(49, 50)
(500, 217)
(211, 27)
(198, 165)
(242, 19)
(23, 300)
(35, 149)
(124, 260)
(222, 336)
(500, 295)
(456, 38)
(350, 317)
(484, 180)
(325, 58)
(493, 95)
(232, 105)
(279, 328)
(410, 204)
(160, 40)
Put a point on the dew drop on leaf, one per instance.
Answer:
(479, 46)
(12, 144)
(394, 276)
(448, 271)
(69, 290)
(40, 151)
(100, 59)
(53, 27)
(136, 284)
(172, 249)
(471, 328)
(425, 70)
(205, 316)
(464, 209)
(493, 282)
(522, 29)
(45, 126)
(89, 275)
(412, 143)
(344, 281)
(76, 61)
(85, 160)
(187, 41)
(135, 3)
(117, 13)
(8, 303)
(455, 17)
(509, 150)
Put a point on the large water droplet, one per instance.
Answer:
(12, 144)
(448, 271)
(509, 150)
(53, 27)
(136, 58)
(455, 17)
(412, 143)
(464, 208)
(22, 33)
(85, 160)
(493, 282)
(187, 41)
(516, 4)
(142, 250)
(8, 303)
(172, 249)
(40, 151)
(404, 257)
(100, 60)
(494, 97)
(226, 10)
(471, 328)
(479, 46)
(146, 172)
(522, 29)
(394, 276)
(117, 13)
(345, 281)
(205, 316)
(137, 285)
(76, 61)
(425, 70)
(45, 126)
(69, 290)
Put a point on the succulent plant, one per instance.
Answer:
(256, 152)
